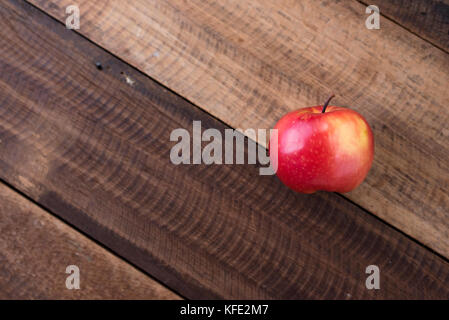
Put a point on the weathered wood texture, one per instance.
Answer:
(36, 248)
(93, 147)
(249, 62)
(427, 18)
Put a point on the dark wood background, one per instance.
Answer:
(84, 151)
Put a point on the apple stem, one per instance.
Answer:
(327, 102)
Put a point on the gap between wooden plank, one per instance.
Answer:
(37, 247)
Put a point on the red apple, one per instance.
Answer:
(323, 148)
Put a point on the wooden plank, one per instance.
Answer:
(36, 248)
(250, 62)
(429, 19)
(93, 147)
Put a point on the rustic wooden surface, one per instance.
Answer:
(93, 147)
(36, 248)
(429, 19)
(249, 62)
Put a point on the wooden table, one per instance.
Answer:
(86, 177)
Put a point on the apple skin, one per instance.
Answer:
(331, 151)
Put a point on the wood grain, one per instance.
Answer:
(93, 147)
(250, 62)
(429, 19)
(36, 248)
